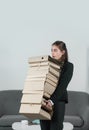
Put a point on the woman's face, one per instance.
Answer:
(56, 52)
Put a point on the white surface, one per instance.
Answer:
(24, 126)
(28, 27)
(67, 126)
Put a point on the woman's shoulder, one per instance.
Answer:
(67, 68)
(68, 64)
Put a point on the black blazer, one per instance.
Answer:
(60, 93)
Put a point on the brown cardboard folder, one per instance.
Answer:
(41, 81)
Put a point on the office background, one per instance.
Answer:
(29, 27)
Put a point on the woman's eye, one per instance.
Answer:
(55, 50)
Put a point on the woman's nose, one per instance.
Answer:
(52, 53)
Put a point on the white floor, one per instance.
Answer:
(18, 126)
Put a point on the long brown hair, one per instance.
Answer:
(62, 46)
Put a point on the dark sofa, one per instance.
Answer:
(9, 108)
(77, 110)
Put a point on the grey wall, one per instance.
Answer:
(28, 28)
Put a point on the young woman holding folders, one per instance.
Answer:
(60, 96)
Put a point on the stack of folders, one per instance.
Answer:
(41, 81)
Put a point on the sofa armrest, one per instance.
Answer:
(85, 116)
(1, 109)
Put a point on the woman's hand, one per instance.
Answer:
(47, 105)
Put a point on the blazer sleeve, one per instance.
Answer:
(63, 83)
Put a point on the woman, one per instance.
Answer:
(60, 97)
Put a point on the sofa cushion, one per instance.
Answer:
(7, 120)
(11, 101)
(5, 128)
(77, 102)
(75, 120)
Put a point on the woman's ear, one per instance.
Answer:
(63, 52)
